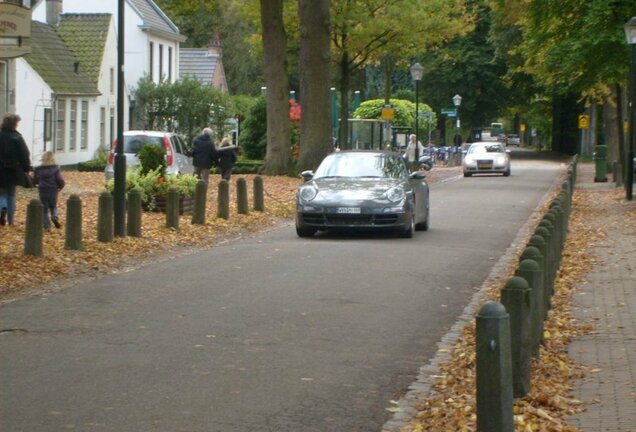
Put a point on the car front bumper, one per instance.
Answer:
(368, 218)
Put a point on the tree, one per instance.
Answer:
(275, 50)
(365, 31)
(315, 123)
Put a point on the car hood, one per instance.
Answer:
(348, 191)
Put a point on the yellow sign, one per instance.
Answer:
(522, 127)
(388, 113)
(584, 121)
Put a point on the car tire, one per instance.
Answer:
(467, 174)
(410, 231)
(507, 173)
(305, 232)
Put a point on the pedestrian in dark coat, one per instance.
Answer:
(204, 155)
(49, 179)
(227, 158)
(15, 165)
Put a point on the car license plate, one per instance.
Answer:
(485, 165)
(348, 210)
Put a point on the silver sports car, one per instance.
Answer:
(356, 189)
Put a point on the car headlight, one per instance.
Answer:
(468, 160)
(395, 194)
(501, 160)
(308, 193)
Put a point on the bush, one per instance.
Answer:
(97, 164)
(254, 131)
(152, 158)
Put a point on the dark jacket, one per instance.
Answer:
(48, 177)
(15, 159)
(227, 157)
(204, 154)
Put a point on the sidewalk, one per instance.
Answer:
(606, 300)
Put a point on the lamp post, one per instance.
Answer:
(457, 101)
(416, 73)
(630, 35)
(119, 195)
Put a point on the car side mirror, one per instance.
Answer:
(307, 175)
(508, 151)
(417, 175)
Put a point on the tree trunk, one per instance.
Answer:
(278, 152)
(389, 65)
(315, 56)
(343, 135)
(613, 126)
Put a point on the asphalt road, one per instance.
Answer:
(272, 333)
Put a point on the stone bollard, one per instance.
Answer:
(200, 201)
(556, 241)
(494, 370)
(34, 228)
(241, 196)
(259, 196)
(133, 227)
(105, 217)
(223, 206)
(172, 208)
(73, 238)
(532, 253)
(529, 270)
(515, 297)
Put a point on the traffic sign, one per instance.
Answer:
(424, 114)
(449, 111)
(584, 121)
(388, 113)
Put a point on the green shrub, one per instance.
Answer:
(152, 158)
(97, 164)
(254, 131)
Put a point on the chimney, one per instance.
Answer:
(53, 11)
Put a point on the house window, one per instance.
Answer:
(111, 125)
(160, 62)
(84, 126)
(112, 80)
(169, 64)
(60, 125)
(72, 126)
(102, 126)
(151, 59)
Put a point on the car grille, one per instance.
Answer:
(350, 219)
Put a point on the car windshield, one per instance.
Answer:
(372, 165)
(486, 148)
(133, 143)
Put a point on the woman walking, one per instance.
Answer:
(15, 164)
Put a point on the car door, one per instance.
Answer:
(183, 162)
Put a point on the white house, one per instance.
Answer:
(151, 38)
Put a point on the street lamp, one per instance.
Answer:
(119, 194)
(630, 35)
(457, 101)
(416, 73)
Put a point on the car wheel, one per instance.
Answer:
(410, 231)
(467, 174)
(305, 232)
(507, 172)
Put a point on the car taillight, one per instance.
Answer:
(169, 155)
(111, 153)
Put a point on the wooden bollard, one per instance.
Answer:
(34, 228)
(494, 370)
(223, 205)
(515, 296)
(531, 272)
(259, 195)
(133, 227)
(241, 196)
(73, 237)
(105, 217)
(200, 201)
(172, 208)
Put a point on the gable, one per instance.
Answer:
(85, 35)
(56, 64)
(155, 20)
(197, 63)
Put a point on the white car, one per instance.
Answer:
(486, 158)
(176, 148)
